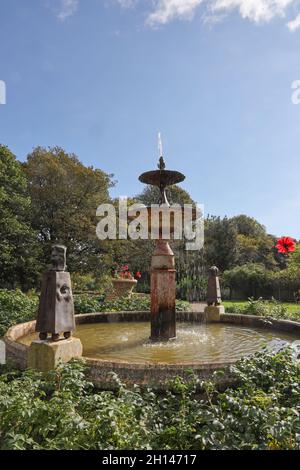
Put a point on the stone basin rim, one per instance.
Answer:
(15, 348)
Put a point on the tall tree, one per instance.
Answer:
(248, 226)
(254, 245)
(220, 242)
(18, 242)
(65, 195)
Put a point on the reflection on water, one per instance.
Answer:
(195, 342)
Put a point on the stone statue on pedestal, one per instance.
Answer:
(58, 258)
(214, 309)
(56, 307)
(213, 288)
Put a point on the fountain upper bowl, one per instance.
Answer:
(162, 177)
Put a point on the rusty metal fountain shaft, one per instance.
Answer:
(163, 292)
(163, 272)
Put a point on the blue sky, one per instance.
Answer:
(101, 78)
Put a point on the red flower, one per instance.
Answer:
(125, 275)
(123, 272)
(286, 245)
(138, 275)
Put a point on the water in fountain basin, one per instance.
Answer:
(197, 342)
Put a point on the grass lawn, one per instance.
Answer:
(291, 307)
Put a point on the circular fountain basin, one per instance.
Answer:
(119, 342)
(195, 342)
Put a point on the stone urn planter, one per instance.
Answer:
(123, 287)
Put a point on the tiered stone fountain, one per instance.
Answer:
(119, 342)
(163, 272)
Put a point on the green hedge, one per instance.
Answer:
(61, 410)
(17, 307)
(264, 308)
(90, 304)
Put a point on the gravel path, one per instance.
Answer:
(198, 306)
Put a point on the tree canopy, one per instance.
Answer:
(65, 195)
(18, 240)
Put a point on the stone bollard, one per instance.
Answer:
(55, 317)
(214, 308)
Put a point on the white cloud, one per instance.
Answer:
(127, 3)
(255, 10)
(258, 11)
(294, 24)
(67, 8)
(164, 11)
(168, 10)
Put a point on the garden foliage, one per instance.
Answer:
(265, 308)
(62, 410)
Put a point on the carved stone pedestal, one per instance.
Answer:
(45, 355)
(56, 308)
(163, 293)
(212, 313)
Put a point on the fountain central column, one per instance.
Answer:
(163, 273)
(163, 292)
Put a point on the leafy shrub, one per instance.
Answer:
(251, 279)
(90, 283)
(192, 288)
(61, 410)
(88, 304)
(264, 308)
(85, 303)
(16, 307)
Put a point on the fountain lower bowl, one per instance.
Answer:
(118, 342)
